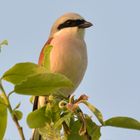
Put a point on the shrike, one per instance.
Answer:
(68, 55)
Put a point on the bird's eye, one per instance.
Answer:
(69, 22)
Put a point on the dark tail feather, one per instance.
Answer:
(36, 135)
(35, 105)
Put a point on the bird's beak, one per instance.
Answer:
(86, 24)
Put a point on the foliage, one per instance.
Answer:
(3, 43)
(60, 114)
(3, 118)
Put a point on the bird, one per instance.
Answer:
(68, 55)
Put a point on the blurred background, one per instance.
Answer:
(112, 80)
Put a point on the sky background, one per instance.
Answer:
(112, 80)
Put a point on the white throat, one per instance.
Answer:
(74, 31)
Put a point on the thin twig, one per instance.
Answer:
(14, 117)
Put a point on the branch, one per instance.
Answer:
(14, 117)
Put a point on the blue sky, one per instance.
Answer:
(112, 80)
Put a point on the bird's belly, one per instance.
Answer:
(70, 60)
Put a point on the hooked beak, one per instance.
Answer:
(86, 24)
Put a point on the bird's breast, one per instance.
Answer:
(69, 57)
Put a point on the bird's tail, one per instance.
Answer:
(36, 135)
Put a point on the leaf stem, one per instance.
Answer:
(20, 129)
(10, 94)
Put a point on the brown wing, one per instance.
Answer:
(41, 57)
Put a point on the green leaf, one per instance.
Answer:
(123, 122)
(5, 42)
(46, 62)
(1, 100)
(37, 118)
(18, 114)
(52, 112)
(32, 99)
(95, 111)
(49, 133)
(48, 113)
(74, 131)
(43, 84)
(3, 120)
(21, 71)
(62, 119)
(93, 129)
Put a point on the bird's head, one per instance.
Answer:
(70, 22)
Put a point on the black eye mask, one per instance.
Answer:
(71, 23)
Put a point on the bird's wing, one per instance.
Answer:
(41, 57)
(40, 62)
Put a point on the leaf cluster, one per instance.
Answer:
(59, 113)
